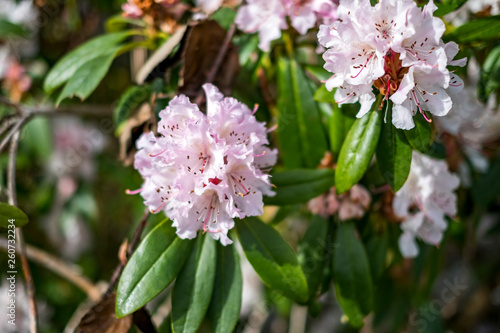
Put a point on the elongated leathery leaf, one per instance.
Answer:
(152, 267)
(352, 275)
(300, 185)
(272, 258)
(65, 68)
(224, 309)
(193, 287)
(357, 150)
(393, 154)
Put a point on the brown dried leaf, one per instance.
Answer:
(202, 47)
(142, 121)
(102, 318)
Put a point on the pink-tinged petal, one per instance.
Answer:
(407, 245)
(402, 116)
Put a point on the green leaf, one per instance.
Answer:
(314, 144)
(11, 30)
(299, 122)
(490, 75)
(193, 287)
(351, 275)
(224, 309)
(322, 95)
(480, 30)
(288, 127)
(340, 124)
(312, 253)
(448, 6)
(118, 23)
(129, 102)
(11, 216)
(152, 267)
(393, 154)
(65, 68)
(420, 136)
(87, 77)
(357, 150)
(272, 258)
(224, 16)
(300, 185)
(319, 72)
(376, 249)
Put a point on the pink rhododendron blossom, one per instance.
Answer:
(350, 205)
(423, 202)
(268, 17)
(396, 47)
(131, 10)
(205, 170)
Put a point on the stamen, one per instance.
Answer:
(388, 88)
(345, 99)
(331, 77)
(127, 191)
(255, 107)
(154, 211)
(364, 66)
(154, 155)
(264, 153)
(272, 128)
(421, 111)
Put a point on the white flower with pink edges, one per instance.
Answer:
(205, 170)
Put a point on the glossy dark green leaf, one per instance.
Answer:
(393, 154)
(357, 150)
(312, 253)
(225, 306)
(376, 249)
(288, 128)
(447, 6)
(66, 68)
(283, 212)
(129, 102)
(193, 286)
(490, 75)
(11, 30)
(11, 216)
(152, 267)
(420, 136)
(301, 134)
(272, 258)
(352, 275)
(314, 144)
(87, 77)
(483, 29)
(340, 124)
(300, 185)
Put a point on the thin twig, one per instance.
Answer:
(218, 61)
(15, 129)
(7, 122)
(59, 267)
(130, 249)
(11, 185)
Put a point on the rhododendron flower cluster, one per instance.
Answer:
(423, 202)
(396, 47)
(203, 171)
(268, 17)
